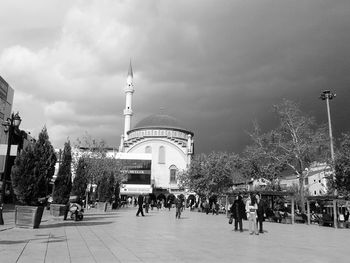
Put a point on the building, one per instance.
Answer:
(6, 101)
(19, 139)
(315, 181)
(251, 185)
(137, 167)
(169, 143)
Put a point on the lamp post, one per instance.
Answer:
(328, 95)
(10, 125)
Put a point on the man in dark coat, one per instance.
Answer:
(261, 213)
(178, 204)
(140, 203)
(238, 213)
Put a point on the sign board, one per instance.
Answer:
(132, 189)
(13, 151)
(3, 151)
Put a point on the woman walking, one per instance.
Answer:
(251, 207)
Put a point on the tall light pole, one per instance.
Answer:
(328, 95)
(10, 125)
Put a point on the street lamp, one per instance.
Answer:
(10, 125)
(328, 95)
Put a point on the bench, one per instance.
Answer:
(326, 220)
(300, 218)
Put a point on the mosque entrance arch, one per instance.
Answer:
(161, 197)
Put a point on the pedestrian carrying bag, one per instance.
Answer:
(230, 220)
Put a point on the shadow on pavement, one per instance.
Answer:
(101, 215)
(54, 241)
(72, 223)
(8, 242)
(92, 218)
(45, 239)
(98, 217)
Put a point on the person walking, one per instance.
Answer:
(169, 204)
(251, 207)
(206, 206)
(215, 208)
(178, 204)
(140, 203)
(260, 213)
(146, 204)
(237, 211)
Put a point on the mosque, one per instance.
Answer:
(169, 144)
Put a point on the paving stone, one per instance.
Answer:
(120, 236)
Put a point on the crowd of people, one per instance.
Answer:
(250, 208)
(147, 203)
(253, 210)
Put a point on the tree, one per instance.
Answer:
(91, 162)
(293, 145)
(194, 178)
(113, 166)
(33, 169)
(63, 182)
(80, 181)
(24, 177)
(105, 187)
(93, 152)
(341, 181)
(257, 164)
(45, 160)
(211, 174)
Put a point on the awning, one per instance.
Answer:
(131, 189)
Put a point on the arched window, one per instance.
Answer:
(173, 171)
(161, 156)
(148, 149)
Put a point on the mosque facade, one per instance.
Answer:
(162, 137)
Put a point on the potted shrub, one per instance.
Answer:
(63, 183)
(30, 176)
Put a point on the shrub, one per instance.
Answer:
(63, 183)
(32, 170)
(105, 187)
(80, 181)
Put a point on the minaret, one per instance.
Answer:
(129, 90)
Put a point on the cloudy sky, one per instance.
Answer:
(214, 65)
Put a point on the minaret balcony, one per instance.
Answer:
(128, 112)
(129, 88)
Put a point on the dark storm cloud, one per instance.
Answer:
(247, 58)
(214, 65)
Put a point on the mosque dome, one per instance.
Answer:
(159, 121)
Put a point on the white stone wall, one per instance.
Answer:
(317, 179)
(173, 156)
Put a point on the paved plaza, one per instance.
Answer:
(120, 236)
